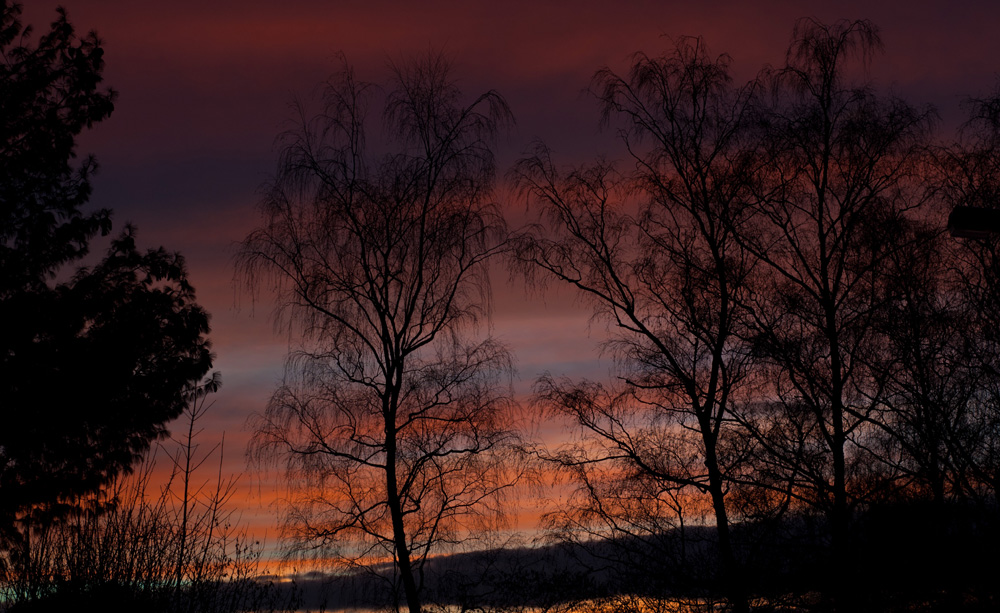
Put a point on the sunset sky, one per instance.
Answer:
(204, 89)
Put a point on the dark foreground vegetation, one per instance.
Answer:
(142, 544)
(806, 408)
(94, 362)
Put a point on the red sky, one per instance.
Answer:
(204, 89)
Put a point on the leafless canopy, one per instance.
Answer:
(655, 251)
(392, 420)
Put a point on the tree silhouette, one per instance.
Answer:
(969, 175)
(50, 93)
(393, 420)
(669, 275)
(833, 205)
(93, 367)
(928, 376)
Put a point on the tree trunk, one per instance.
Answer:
(839, 518)
(732, 577)
(399, 530)
(402, 549)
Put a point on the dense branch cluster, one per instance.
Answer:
(797, 336)
(394, 417)
(799, 344)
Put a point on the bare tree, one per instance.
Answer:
(841, 182)
(393, 422)
(655, 251)
(969, 175)
(928, 380)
